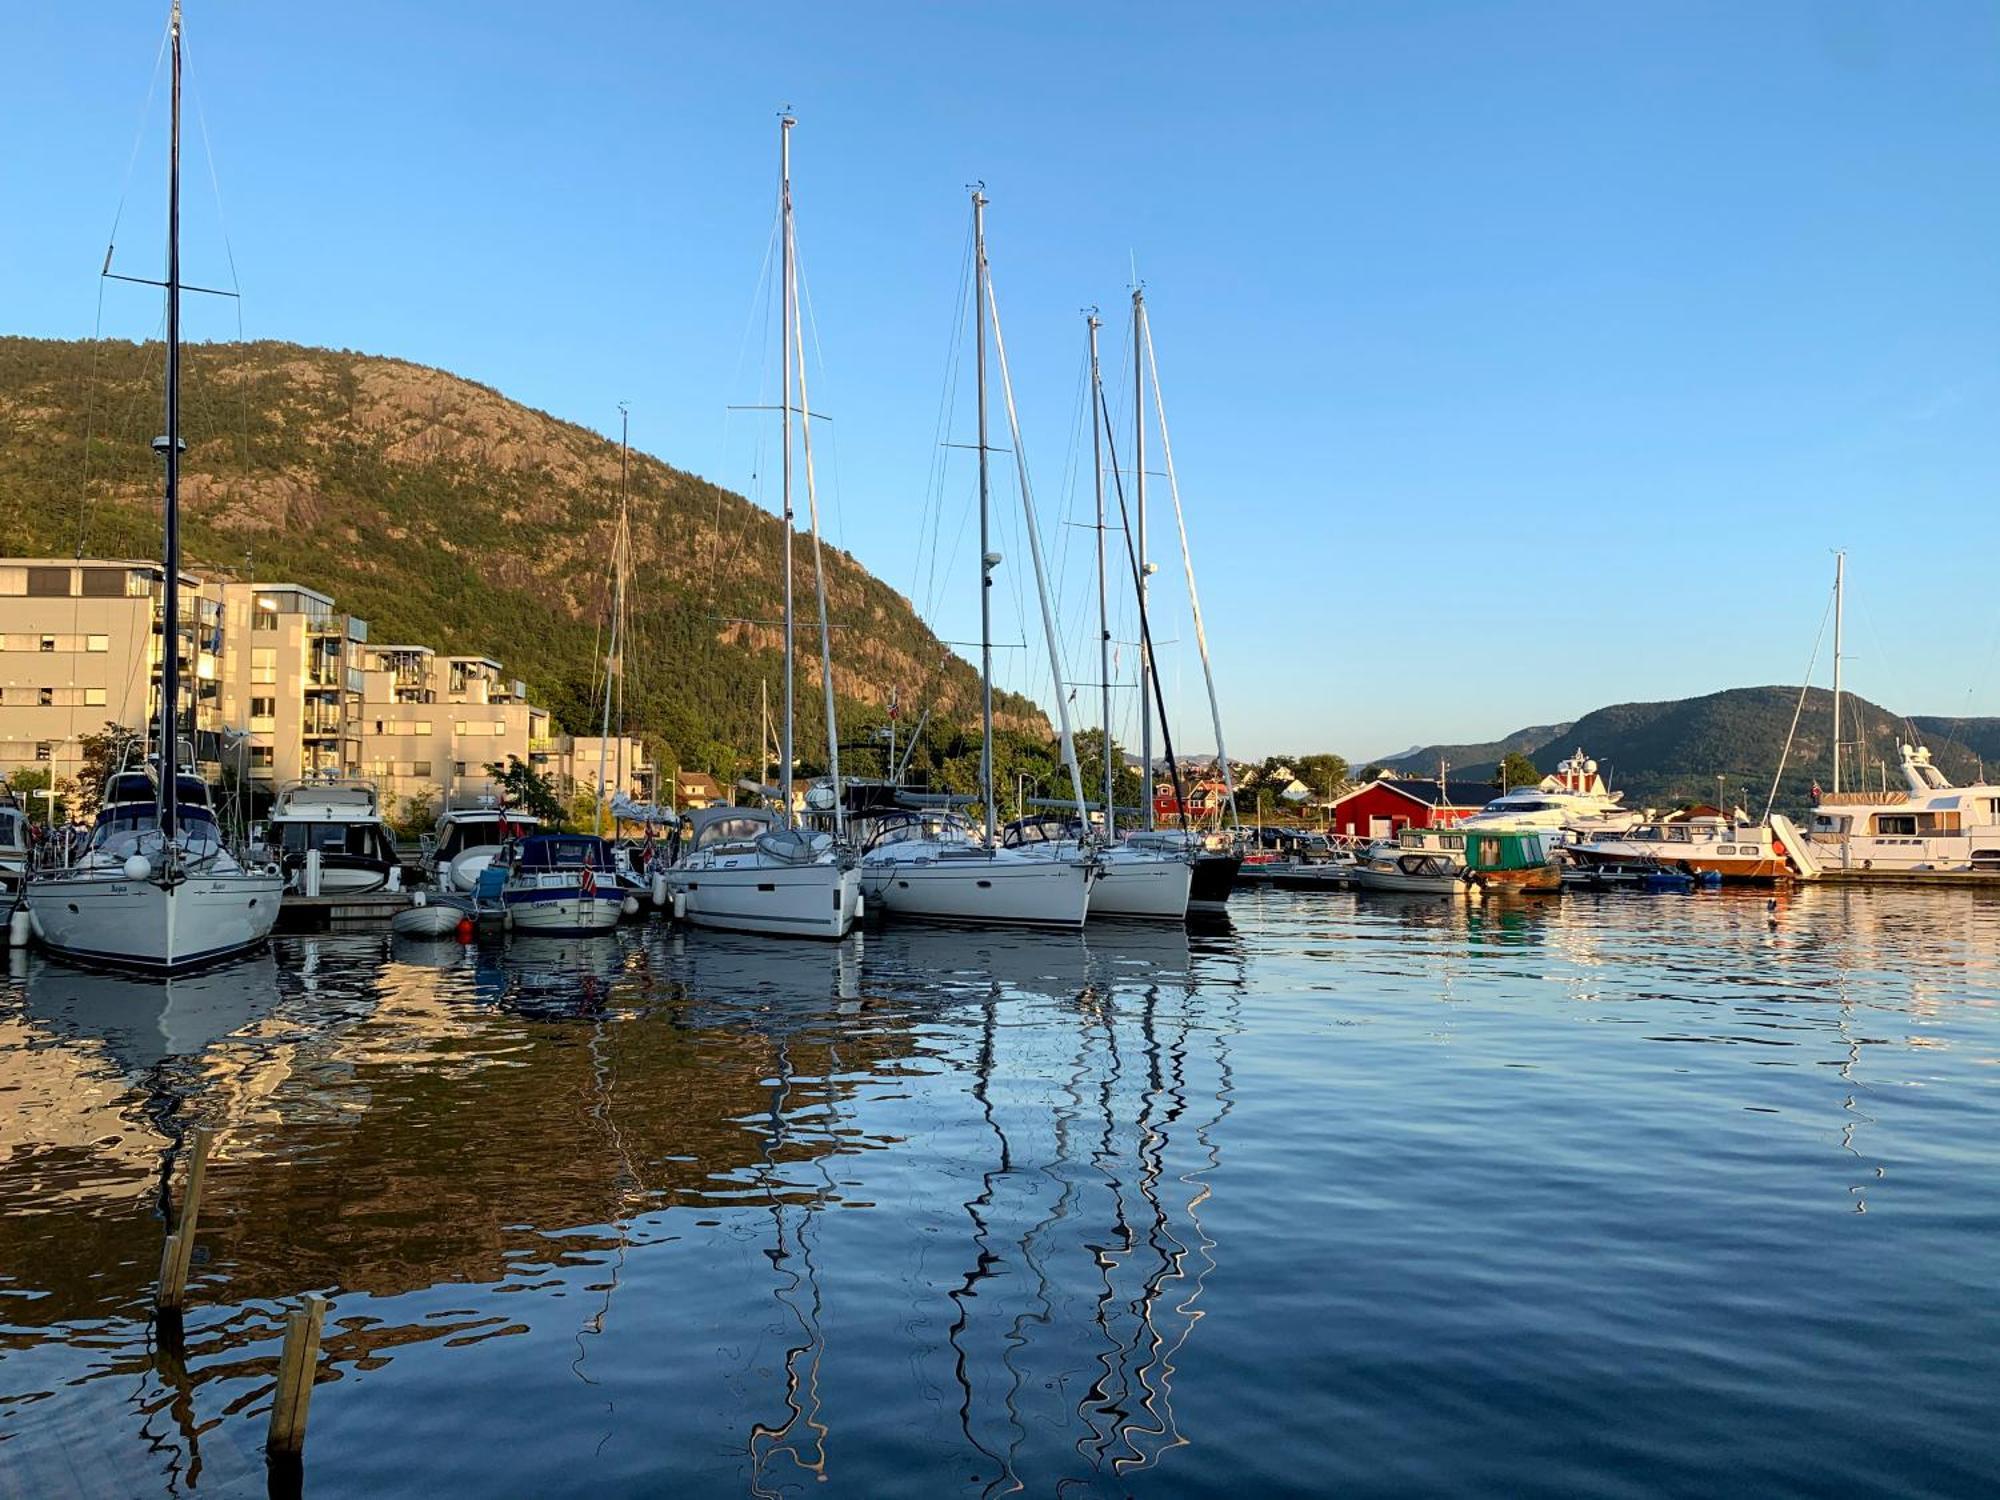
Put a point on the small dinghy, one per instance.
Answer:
(428, 918)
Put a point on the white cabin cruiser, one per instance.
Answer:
(154, 889)
(742, 869)
(1734, 847)
(929, 865)
(1421, 861)
(341, 821)
(468, 839)
(1131, 881)
(15, 850)
(1573, 800)
(562, 885)
(1931, 826)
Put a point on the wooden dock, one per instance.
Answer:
(1978, 880)
(355, 909)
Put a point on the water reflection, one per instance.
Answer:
(941, 1211)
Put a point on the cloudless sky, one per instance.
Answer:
(1520, 358)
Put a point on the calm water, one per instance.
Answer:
(1360, 1195)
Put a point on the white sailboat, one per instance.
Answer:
(748, 870)
(931, 866)
(155, 889)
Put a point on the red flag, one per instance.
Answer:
(589, 882)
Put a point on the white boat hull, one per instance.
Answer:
(103, 919)
(565, 914)
(986, 889)
(1409, 885)
(1134, 885)
(749, 893)
(434, 919)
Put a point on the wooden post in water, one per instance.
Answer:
(178, 1256)
(296, 1368)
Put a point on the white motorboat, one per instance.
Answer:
(929, 865)
(1131, 881)
(741, 869)
(1930, 826)
(340, 821)
(1421, 862)
(1574, 799)
(429, 917)
(1734, 847)
(469, 838)
(153, 890)
(562, 885)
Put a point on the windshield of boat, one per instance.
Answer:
(564, 851)
(363, 840)
(483, 833)
(135, 829)
(723, 831)
(920, 828)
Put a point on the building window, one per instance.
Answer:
(264, 664)
(420, 768)
(48, 643)
(263, 708)
(423, 726)
(44, 750)
(93, 697)
(261, 757)
(45, 697)
(97, 643)
(458, 768)
(48, 583)
(264, 615)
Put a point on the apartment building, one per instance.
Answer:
(282, 686)
(80, 648)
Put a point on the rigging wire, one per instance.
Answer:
(1804, 688)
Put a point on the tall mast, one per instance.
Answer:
(785, 123)
(1194, 594)
(1839, 607)
(1139, 502)
(170, 634)
(1103, 619)
(614, 663)
(986, 557)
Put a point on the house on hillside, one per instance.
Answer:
(697, 789)
(1209, 796)
(1383, 808)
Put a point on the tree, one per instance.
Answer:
(1322, 773)
(527, 790)
(111, 748)
(1517, 770)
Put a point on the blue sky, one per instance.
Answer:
(1520, 358)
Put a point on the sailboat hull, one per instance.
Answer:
(137, 924)
(749, 893)
(990, 891)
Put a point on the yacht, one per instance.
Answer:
(756, 869)
(932, 865)
(341, 821)
(155, 888)
(1930, 826)
(562, 885)
(1131, 881)
(468, 839)
(1574, 800)
(1733, 846)
(744, 870)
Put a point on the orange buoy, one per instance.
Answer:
(465, 929)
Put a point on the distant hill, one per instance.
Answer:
(1668, 753)
(1471, 760)
(445, 514)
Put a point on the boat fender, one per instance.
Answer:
(629, 907)
(660, 888)
(465, 929)
(19, 927)
(419, 898)
(680, 906)
(137, 867)
(860, 905)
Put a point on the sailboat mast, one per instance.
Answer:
(614, 664)
(1103, 618)
(986, 558)
(1139, 503)
(1839, 608)
(170, 635)
(785, 201)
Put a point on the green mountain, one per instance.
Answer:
(1469, 759)
(1669, 753)
(447, 515)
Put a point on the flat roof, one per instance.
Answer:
(289, 588)
(425, 650)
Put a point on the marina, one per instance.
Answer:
(926, 1211)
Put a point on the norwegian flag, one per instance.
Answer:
(589, 883)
